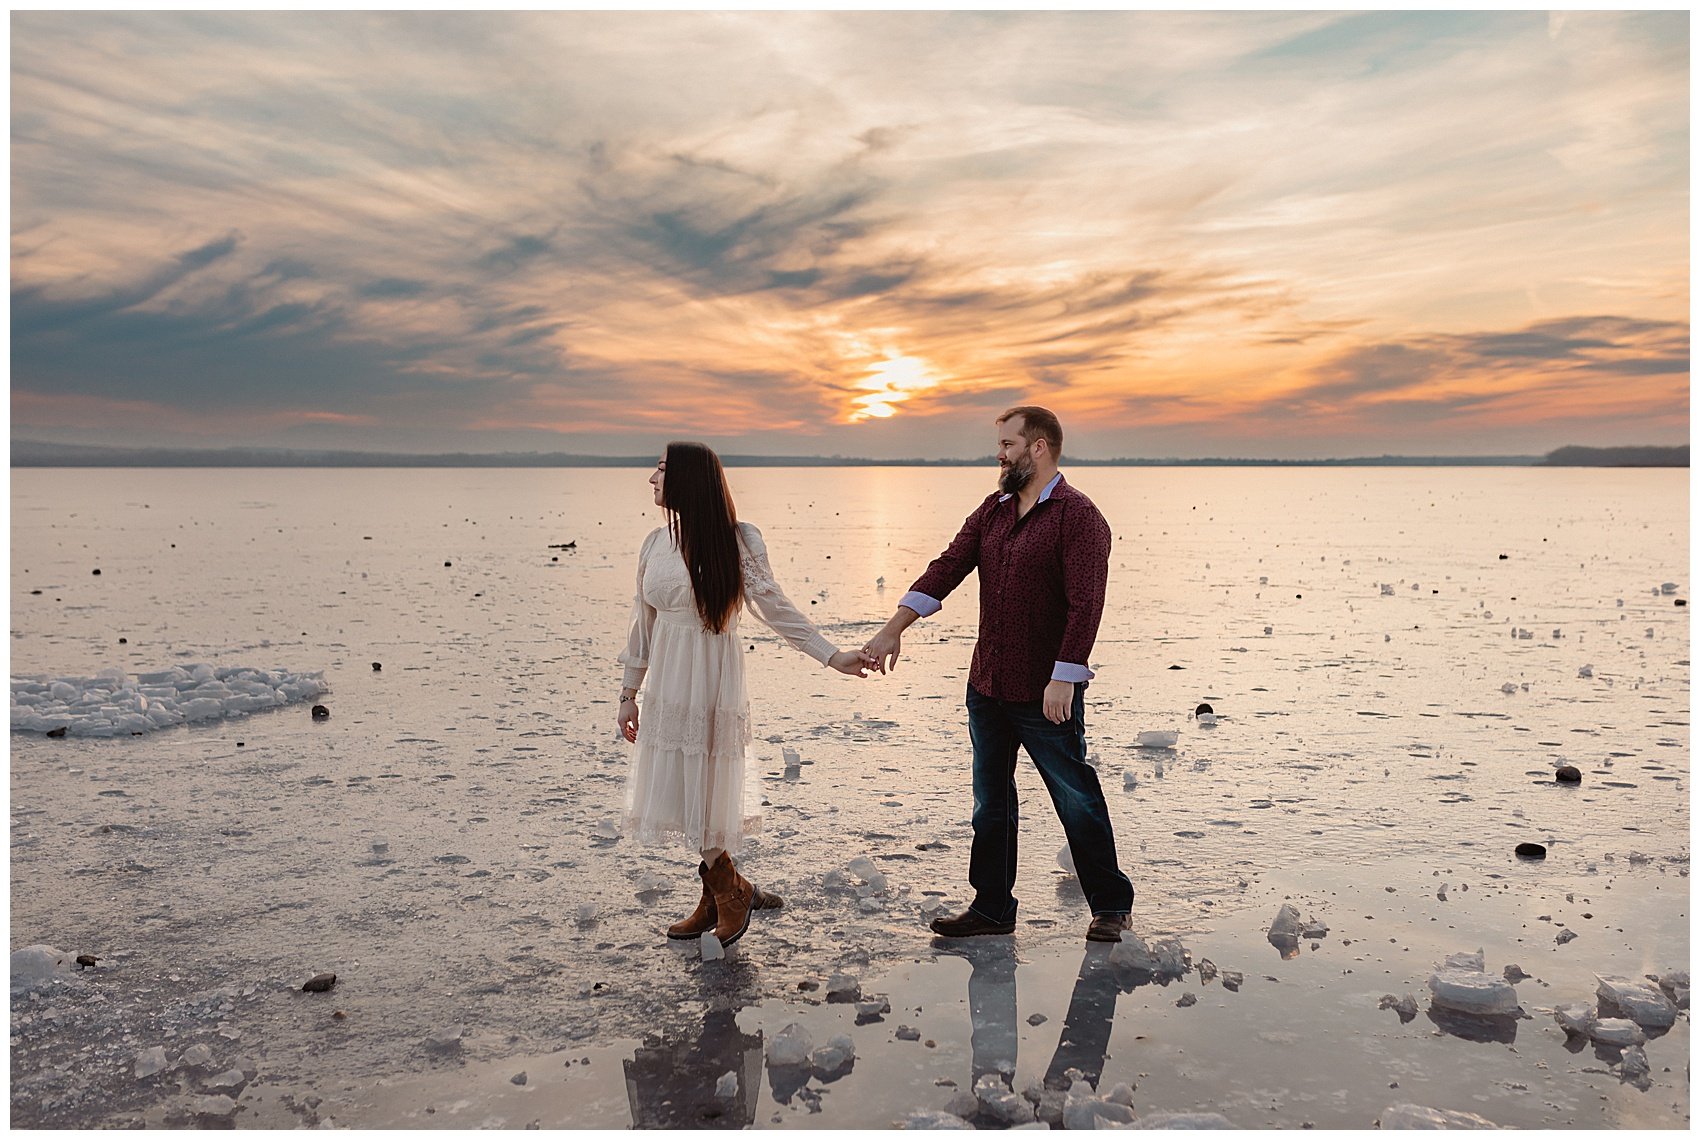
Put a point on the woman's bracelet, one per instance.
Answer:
(628, 695)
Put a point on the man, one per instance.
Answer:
(1043, 552)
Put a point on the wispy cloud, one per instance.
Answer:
(1393, 231)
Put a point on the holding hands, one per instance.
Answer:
(851, 662)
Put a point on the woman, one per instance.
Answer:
(687, 775)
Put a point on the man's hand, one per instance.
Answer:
(884, 647)
(1059, 701)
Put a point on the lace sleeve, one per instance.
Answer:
(635, 657)
(769, 603)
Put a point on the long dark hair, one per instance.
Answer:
(703, 522)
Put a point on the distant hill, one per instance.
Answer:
(1617, 457)
(35, 453)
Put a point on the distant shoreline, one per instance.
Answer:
(30, 453)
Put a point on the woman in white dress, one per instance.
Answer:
(687, 775)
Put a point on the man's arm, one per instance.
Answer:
(1086, 573)
(925, 597)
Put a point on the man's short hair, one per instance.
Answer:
(1037, 423)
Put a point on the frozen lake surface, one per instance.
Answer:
(1386, 736)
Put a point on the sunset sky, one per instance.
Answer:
(1258, 234)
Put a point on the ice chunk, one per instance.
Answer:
(1638, 1001)
(1668, 588)
(790, 1046)
(964, 1104)
(1166, 958)
(150, 1061)
(1405, 1007)
(197, 1055)
(1284, 931)
(932, 1118)
(212, 1106)
(1387, 589)
(1585, 671)
(1065, 860)
(863, 867)
(1616, 1031)
(1083, 1109)
(1313, 929)
(712, 950)
(1635, 1066)
(1508, 687)
(872, 1008)
(835, 1054)
(1418, 1116)
(727, 1086)
(1192, 1120)
(606, 829)
(1577, 1018)
(1675, 983)
(447, 1037)
(38, 963)
(843, 987)
(999, 1102)
(1157, 738)
(1461, 985)
(835, 879)
(587, 912)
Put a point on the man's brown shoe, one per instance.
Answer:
(1108, 927)
(968, 924)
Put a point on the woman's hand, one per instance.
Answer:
(628, 719)
(850, 662)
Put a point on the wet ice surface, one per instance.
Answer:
(435, 842)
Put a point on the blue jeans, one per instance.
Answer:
(996, 729)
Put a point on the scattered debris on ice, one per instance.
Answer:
(113, 703)
(932, 1118)
(1405, 1007)
(1417, 1116)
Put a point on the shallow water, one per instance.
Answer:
(1362, 732)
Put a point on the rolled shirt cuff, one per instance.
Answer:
(922, 604)
(819, 648)
(1069, 671)
(634, 676)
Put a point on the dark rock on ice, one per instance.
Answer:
(318, 984)
(320, 712)
(1531, 851)
(377, 666)
(97, 572)
(56, 733)
(123, 641)
(1177, 666)
(86, 960)
(1568, 774)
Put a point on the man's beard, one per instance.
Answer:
(1016, 476)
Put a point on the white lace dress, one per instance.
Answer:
(687, 781)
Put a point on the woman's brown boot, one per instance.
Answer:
(702, 918)
(733, 899)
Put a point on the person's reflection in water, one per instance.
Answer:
(1085, 1040)
(1091, 1012)
(991, 1007)
(677, 1083)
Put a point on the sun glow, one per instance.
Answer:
(887, 384)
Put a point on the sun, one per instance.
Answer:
(888, 383)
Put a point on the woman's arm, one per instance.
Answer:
(635, 657)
